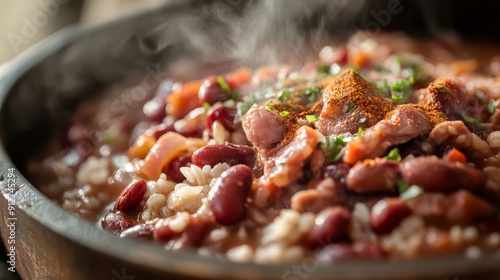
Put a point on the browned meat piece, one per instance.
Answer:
(445, 96)
(461, 208)
(312, 200)
(377, 175)
(283, 164)
(437, 175)
(262, 127)
(350, 102)
(457, 135)
(404, 123)
(320, 194)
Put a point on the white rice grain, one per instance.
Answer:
(94, 171)
(180, 222)
(494, 140)
(243, 253)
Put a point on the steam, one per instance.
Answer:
(241, 32)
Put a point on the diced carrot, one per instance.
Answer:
(358, 58)
(455, 155)
(141, 147)
(183, 101)
(168, 147)
(238, 77)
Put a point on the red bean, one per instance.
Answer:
(436, 175)
(369, 250)
(224, 115)
(116, 222)
(132, 196)
(230, 153)
(194, 233)
(387, 214)
(370, 176)
(144, 231)
(330, 226)
(337, 171)
(336, 253)
(173, 171)
(228, 196)
(162, 230)
(211, 92)
(154, 109)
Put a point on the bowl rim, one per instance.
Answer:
(151, 256)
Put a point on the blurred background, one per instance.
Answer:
(24, 23)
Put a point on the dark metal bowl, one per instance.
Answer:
(51, 243)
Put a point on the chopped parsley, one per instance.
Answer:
(312, 118)
(285, 95)
(271, 106)
(350, 106)
(227, 88)
(313, 93)
(323, 69)
(284, 113)
(334, 147)
(360, 131)
(394, 155)
(265, 91)
(409, 66)
(206, 106)
(492, 106)
(471, 121)
(407, 192)
(401, 90)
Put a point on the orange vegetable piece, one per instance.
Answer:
(455, 155)
(358, 58)
(183, 101)
(141, 147)
(238, 77)
(168, 147)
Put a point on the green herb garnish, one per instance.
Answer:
(227, 88)
(401, 90)
(471, 121)
(285, 95)
(360, 131)
(206, 106)
(322, 69)
(284, 113)
(350, 106)
(312, 118)
(334, 147)
(362, 120)
(492, 106)
(394, 155)
(270, 106)
(407, 192)
(313, 93)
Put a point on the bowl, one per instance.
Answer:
(43, 241)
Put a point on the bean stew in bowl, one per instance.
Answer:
(375, 151)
